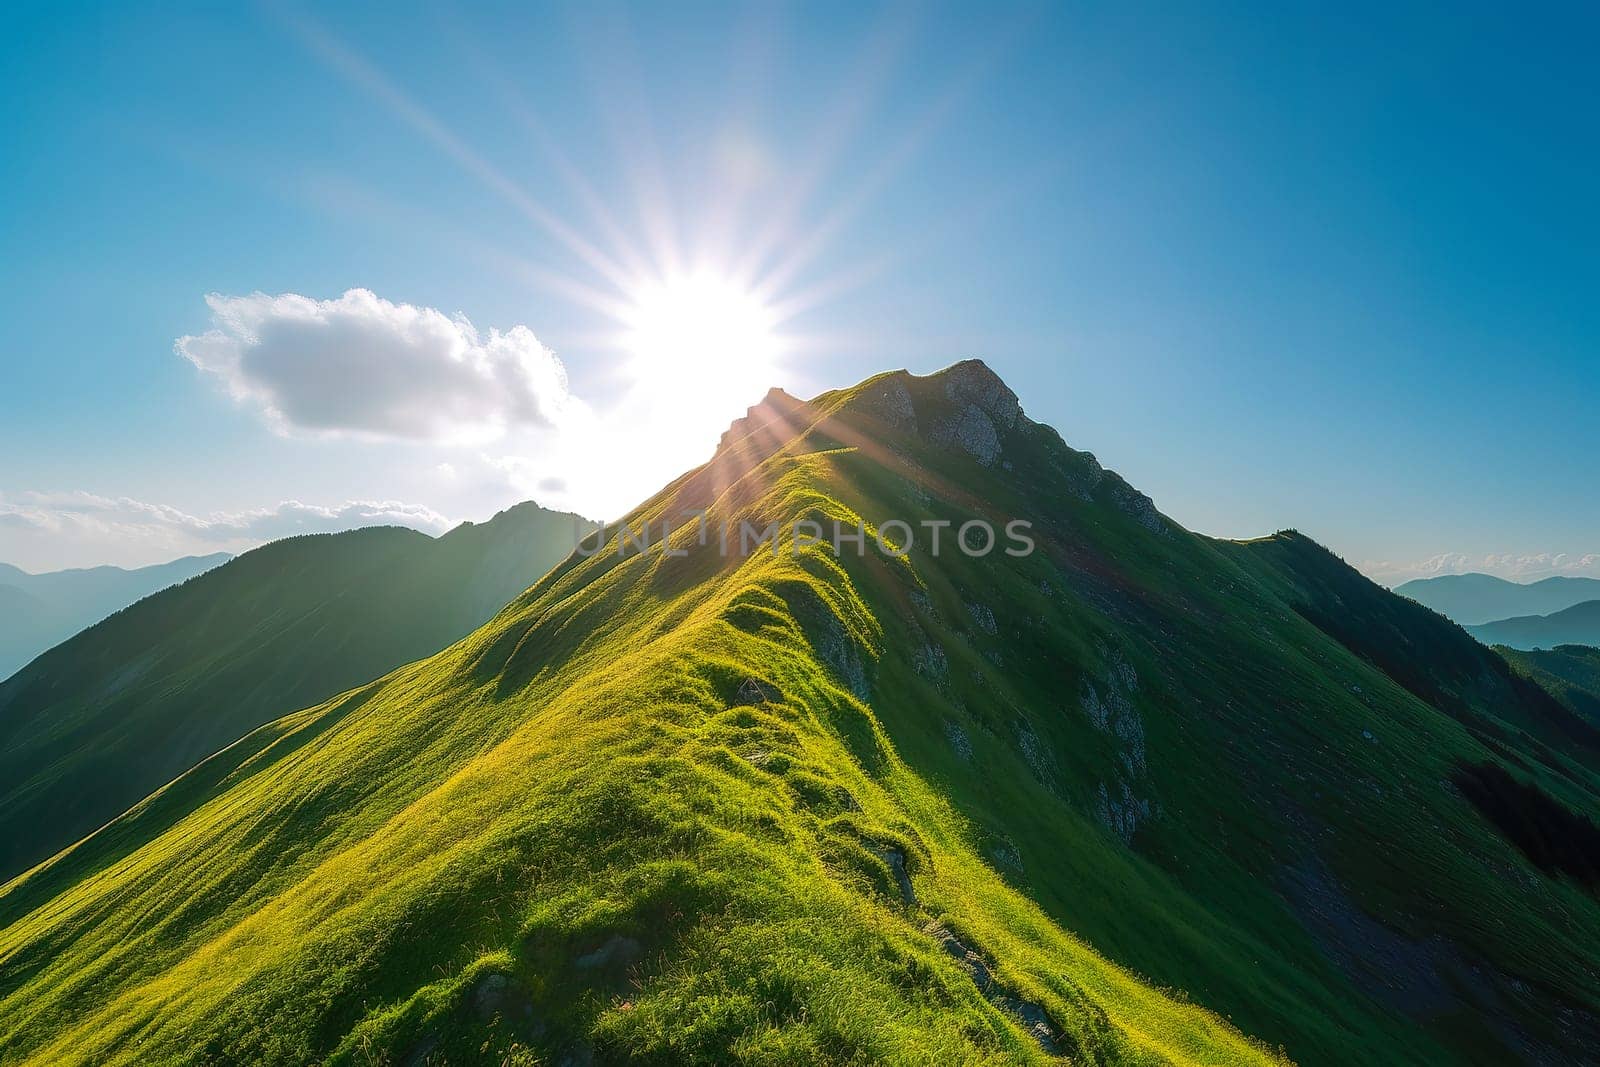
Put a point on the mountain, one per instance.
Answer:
(1570, 672)
(1577, 625)
(678, 804)
(40, 610)
(1475, 599)
(97, 723)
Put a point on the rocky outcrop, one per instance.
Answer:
(1110, 709)
(1137, 506)
(960, 743)
(971, 431)
(753, 691)
(776, 406)
(1120, 809)
(496, 995)
(1034, 1019)
(982, 407)
(1005, 854)
(970, 412)
(895, 858)
(930, 661)
(971, 384)
(616, 951)
(1039, 758)
(890, 400)
(830, 639)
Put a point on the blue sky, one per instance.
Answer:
(1333, 269)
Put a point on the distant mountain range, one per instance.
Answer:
(1542, 614)
(1475, 599)
(681, 804)
(98, 722)
(41, 610)
(1577, 625)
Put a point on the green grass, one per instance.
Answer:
(567, 834)
(342, 900)
(96, 724)
(1571, 673)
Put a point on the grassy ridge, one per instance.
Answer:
(660, 807)
(617, 855)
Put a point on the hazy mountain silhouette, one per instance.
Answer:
(1475, 599)
(96, 723)
(1577, 625)
(41, 610)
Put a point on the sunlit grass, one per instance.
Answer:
(570, 775)
(569, 832)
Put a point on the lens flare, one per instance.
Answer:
(700, 336)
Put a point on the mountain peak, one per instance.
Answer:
(965, 407)
(972, 382)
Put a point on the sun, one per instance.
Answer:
(696, 349)
(701, 336)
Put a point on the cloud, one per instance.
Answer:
(363, 366)
(65, 510)
(1517, 567)
(59, 529)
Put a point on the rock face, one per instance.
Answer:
(971, 384)
(1138, 506)
(959, 741)
(891, 401)
(930, 661)
(967, 408)
(494, 996)
(973, 413)
(1034, 1018)
(1110, 709)
(970, 430)
(982, 408)
(1040, 761)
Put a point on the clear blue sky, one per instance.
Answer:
(1336, 269)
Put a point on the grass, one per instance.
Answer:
(344, 899)
(93, 726)
(574, 833)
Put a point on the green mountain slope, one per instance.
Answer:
(1570, 672)
(40, 610)
(1475, 599)
(797, 807)
(95, 724)
(1577, 625)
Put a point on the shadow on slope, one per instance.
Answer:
(127, 705)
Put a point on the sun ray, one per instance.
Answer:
(356, 69)
(858, 92)
(622, 247)
(626, 116)
(905, 149)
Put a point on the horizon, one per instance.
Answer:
(553, 260)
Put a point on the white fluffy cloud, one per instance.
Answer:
(363, 366)
(42, 531)
(1516, 567)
